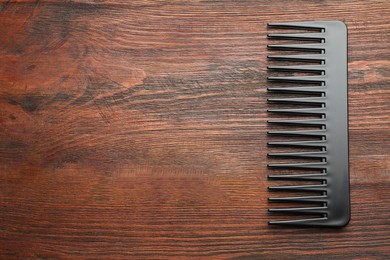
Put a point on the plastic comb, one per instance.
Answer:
(310, 110)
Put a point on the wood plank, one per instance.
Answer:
(137, 129)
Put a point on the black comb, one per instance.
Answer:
(317, 94)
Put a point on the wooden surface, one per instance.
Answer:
(137, 129)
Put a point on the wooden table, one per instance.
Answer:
(137, 129)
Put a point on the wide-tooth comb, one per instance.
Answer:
(323, 90)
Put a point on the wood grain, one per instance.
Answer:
(137, 129)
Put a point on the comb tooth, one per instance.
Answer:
(297, 36)
(301, 68)
(320, 133)
(308, 47)
(313, 155)
(300, 222)
(299, 57)
(303, 122)
(297, 25)
(299, 79)
(305, 111)
(300, 166)
(306, 210)
(307, 100)
(321, 199)
(315, 187)
(315, 89)
(314, 176)
(313, 144)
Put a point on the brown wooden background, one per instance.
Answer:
(137, 129)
